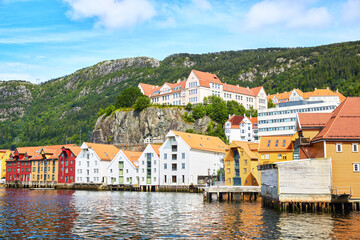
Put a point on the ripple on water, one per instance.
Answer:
(62, 214)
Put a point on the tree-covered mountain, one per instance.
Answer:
(62, 109)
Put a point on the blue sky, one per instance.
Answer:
(45, 39)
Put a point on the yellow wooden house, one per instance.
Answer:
(276, 148)
(4, 155)
(338, 138)
(240, 164)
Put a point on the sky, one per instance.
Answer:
(46, 39)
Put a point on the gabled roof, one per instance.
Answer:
(202, 142)
(276, 143)
(247, 147)
(344, 122)
(132, 156)
(206, 78)
(284, 97)
(156, 148)
(236, 121)
(256, 90)
(147, 88)
(105, 152)
(313, 120)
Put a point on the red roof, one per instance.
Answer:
(235, 121)
(313, 120)
(344, 122)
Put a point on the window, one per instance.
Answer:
(262, 156)
(165, 166)
(165, 178)
(183, 155)
(183, 165)
(228, 162)
(276, 143)
(355, 147)
(165, 155)
(245, 170)
(174, 179)
(269, 141)
(279, 156)
(356, 167)
(228, 170)
(174, 167)
(338, 147)
(267, 156)
(283, 144)
(183, 178)
(229, 180)
(174, 157)
(245, 161)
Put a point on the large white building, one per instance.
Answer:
(184, 157)
(149, 166)
(281, 120)
(123, 169)
(200, 85)
(93, 161)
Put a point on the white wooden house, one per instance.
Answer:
(149, 166)
(185, 158)
(123, 169)
(93, 161)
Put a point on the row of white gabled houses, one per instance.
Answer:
(183, 159)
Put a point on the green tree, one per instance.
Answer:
(128, 97)
(142, 102)
(199, 111)
(271, 104)
(217, 109)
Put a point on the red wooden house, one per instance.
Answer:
(67, 166)
(18, 166)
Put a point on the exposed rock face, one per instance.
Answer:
(15, 96)
(133, 127)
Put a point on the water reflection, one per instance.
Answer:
(83, 214)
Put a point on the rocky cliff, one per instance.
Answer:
(132, 127)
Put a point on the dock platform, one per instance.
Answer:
(231, 192)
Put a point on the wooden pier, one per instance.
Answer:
(231, 193)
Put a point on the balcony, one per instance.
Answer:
(302, 141)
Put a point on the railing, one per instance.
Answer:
(347, 190)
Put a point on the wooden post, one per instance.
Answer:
(343, 208)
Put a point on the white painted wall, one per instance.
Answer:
(155, 167)
(129, 173)
(189, 166)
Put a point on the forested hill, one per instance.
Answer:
(62, 108)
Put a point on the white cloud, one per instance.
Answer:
(202, 4)
(351, 11)
(112, 14)
(286, 13)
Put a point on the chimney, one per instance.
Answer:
(277, 93)
(247, 87)
(237, 85)
(315, 88)
(229, 116)
(327, 88)
(337, 90)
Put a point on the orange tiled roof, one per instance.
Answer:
(247, 148)
(256, 90)
(202, 142)
(105, 152)
(236, 89)
(313, 120)
(132, 156)
(276, 143)
(147, 88)
(156, 148)
(344, 122)
(254, 121)
(206, 78)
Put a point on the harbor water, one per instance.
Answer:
(68, 214)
